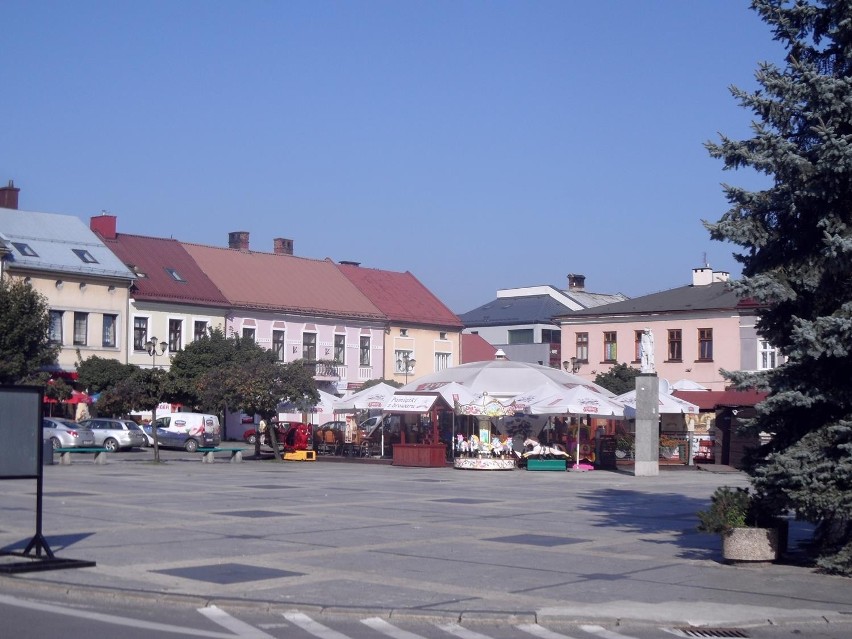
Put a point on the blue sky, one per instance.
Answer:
(479, 145)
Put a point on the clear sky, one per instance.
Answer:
(479, 145)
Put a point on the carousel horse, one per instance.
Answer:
(533, 448)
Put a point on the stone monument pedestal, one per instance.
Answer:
(647, 453)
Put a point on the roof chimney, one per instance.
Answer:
(103, 225)
(238, 240)
(281, 246)
(576, 282)
(9, 196)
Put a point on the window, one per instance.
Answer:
(442, 335)
(108, 333)
(248, 332)
(85, 256)
(140, 333)
(175, 335)
(637, 345)
(278, 345)
(403, 359)
(200, 330)
(403, 332)
(442, 361)
(549, 336)
(175, 275)
(364, 348)
(340, 349)
(705, 343)
(25, 249)
(81, 329)
(768, 355)
(521, 336)
(309, 346)
(675, 345)
(56, 327)
(610, 346)
(583, 347)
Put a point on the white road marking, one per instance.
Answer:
(382, 626)
(541, 631)
(600, 631)
(309, 625)
(460, 631)
(111, 619)
(240, 628)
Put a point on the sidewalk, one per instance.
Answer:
(337, 538)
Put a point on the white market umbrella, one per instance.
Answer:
(668, 404)
(372, 398)
(553, 399)
(323, 408)
(687, 385)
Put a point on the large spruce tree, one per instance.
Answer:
(797, 260)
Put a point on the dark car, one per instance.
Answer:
(171, 439)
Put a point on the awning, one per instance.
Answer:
(410, 403)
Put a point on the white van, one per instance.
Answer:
(204, 428)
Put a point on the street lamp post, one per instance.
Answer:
(406, 362)
(573, 365)
(155, 349)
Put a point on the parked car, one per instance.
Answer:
(171, 439)
(63, 433)
(115, 434)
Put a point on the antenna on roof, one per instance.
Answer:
(706, 265)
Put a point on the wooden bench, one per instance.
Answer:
(65, 454)
(208, 458)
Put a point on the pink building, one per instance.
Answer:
(698, 330)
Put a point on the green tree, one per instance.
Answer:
(796, 237)
(619, 379)
(96, 374)
(24, 331)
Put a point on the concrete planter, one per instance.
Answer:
(750, 545)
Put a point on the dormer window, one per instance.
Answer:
(175, 275)
(25, 249)
(84, 255)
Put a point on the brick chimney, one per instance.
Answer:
(238, 240)
(103, 225)
(9, 196)
(576, 282)
(282, 246)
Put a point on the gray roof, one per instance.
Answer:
(715, 296)
(56, 243)
(533, 309)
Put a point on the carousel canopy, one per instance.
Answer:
(501, 379)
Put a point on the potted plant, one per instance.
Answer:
(748, 532)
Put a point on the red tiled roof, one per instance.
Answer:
(152, 256)
(474, 348)
(708, 400)
(400, 296)
(269, 281)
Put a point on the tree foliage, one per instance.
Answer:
(796, 237)
(96, 374)
(24, 331)
(619, 379)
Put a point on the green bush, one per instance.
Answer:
(729, 509)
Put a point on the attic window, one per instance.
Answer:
(137, 271)
(84, 255)
(25, 249)
(403, 332)
(175, 275)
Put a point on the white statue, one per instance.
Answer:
(646, 351)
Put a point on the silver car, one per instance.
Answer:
(115, 434)
(63, 433)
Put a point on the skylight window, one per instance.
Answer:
(175, 275)
(84, 255)
(25, 249)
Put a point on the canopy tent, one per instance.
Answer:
(669, 404)
(687, 385)
(372, 398)
(554, 399)
(501, 379)
(323, 408)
